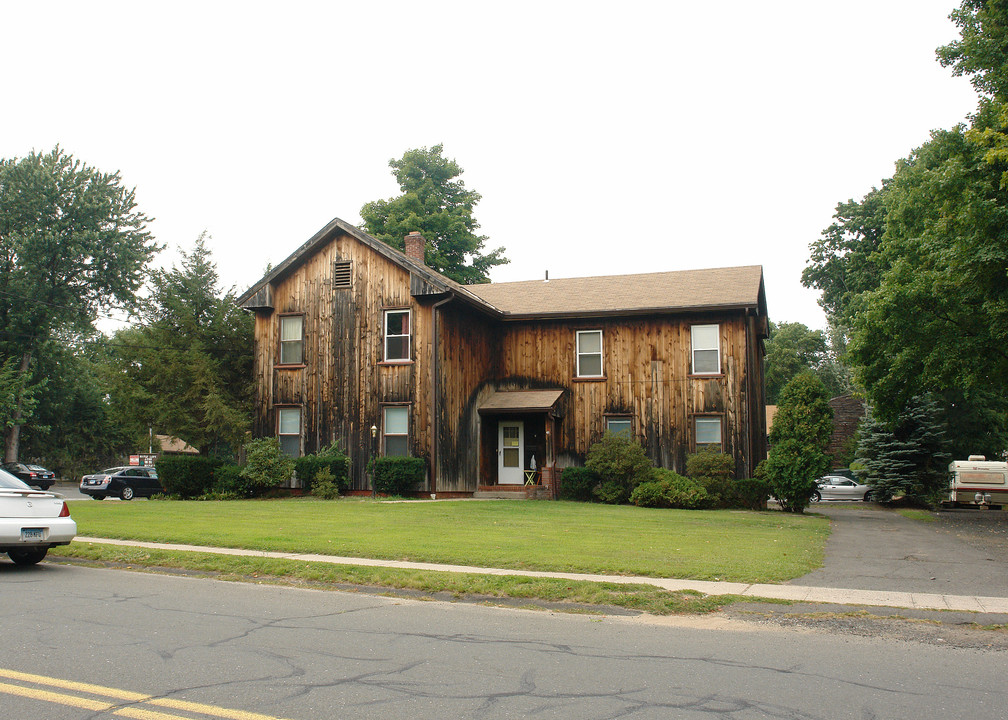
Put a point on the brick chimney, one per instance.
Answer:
(415, 244)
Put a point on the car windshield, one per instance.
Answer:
(37, 467)
(110, 471)
(9, 481)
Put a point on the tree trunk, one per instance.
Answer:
(12, 437)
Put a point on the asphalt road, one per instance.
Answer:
(153, 641)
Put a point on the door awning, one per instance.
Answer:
(503, 402)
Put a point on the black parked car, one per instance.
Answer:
(34, 475)
(122, 482)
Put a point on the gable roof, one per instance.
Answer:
(662, 292)
(679, 290)
(259, 294)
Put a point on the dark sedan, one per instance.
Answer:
(123, 482)
(34, 475)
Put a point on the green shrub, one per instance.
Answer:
(331, 459)
(752, 493)
(324, 485)
(621, 465)
(577, 483)
(187, 476)
(228, 481)
(721, 492)
(266, 466)
(710, 464)
(397, 475)
(669, 490)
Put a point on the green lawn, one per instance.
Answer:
(560, 536)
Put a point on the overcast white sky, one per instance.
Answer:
(605, 137)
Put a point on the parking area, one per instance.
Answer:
(961, 552)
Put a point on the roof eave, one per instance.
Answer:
(659, 310)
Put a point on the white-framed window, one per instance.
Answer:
(289, 430)
(395, 430)
(706, 341)
(397, 335)
(619, 425)
(707, 433)
(291, 339)
(589, 353)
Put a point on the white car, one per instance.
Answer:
(31, 521)
(838, 487)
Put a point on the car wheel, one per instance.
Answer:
(98, 497)
(126, 493)
(868, 497)
(816, 497)
(27, 556)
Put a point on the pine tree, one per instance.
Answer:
(910, 458)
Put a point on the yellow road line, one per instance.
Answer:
(117, 694)
(209, 709)
(59, 698)
(142, 714)
(71, 685)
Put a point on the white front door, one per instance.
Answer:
(510, 451)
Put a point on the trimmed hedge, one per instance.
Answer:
(753, 493)
(397, 475)
(577, 483)
(338, 464)
(187, 476)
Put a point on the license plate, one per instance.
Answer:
(31, 533)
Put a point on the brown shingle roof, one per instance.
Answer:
(731, 287)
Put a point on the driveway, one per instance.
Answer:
(963, 552)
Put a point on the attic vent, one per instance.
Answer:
(341, 275)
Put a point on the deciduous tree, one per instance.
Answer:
(72, 242)
(435, 202)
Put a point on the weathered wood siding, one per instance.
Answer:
(646, 366)
(343, 383)
(467, 368)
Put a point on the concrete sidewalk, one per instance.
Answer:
(837, 596)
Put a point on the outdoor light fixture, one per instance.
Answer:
(374, 430)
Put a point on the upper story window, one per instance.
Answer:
(706, 341)
(291, 339)
(397, 335)
(707, 433)
(395, 430)
(589, 353)
(289, 430)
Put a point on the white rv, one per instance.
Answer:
(978, 482)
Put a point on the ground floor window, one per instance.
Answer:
(707, 433)
(289, 430)
(619, 425)
(395, 430)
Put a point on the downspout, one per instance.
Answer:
(435, 390)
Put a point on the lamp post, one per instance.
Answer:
(374, 452)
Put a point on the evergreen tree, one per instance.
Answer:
(908, 458)
(798, 441)
(191, 359)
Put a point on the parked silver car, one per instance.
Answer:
(838, 487)
(31, 521)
